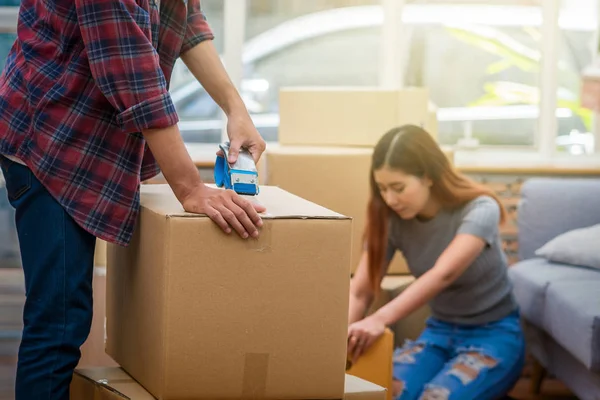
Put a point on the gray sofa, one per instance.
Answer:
(560, 302)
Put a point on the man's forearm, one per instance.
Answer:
(204, 63)
(174, 160)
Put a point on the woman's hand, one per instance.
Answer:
(362, 335)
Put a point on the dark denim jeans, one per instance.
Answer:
(58, 259)
(459, 362)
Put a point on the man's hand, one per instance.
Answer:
(226, 208)
(362, 335)
(205, 64)
(243, 134)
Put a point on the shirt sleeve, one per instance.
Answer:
(198, 29)
(125, 64)
(481, 219)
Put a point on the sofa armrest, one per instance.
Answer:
(552, 206)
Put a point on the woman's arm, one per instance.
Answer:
(361, 291)
(451, 264)
(457, 257)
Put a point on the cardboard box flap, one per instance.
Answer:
(279, 203)
(114, 381)
(358, 389)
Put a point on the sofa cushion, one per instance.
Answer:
(531, 278)
(551, 206)
(575, 247)
(572, 318)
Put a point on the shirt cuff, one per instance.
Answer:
(198, 31)
(155, 113)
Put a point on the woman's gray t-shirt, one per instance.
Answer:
(483, 293)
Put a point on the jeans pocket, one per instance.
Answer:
(17, 178)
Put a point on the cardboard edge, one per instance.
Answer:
(327, 214)
(102, 385)
(166, 295)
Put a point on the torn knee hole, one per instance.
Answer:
(406, 355)
(435, 393)
(468, 366)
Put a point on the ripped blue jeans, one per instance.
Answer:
(452, 361)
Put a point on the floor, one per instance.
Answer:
(11, 305)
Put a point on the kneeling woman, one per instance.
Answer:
(447, 228)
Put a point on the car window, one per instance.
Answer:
(197, 106)
(346, 58)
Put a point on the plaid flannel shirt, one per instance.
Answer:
(81, 82)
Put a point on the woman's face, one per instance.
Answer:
(407, 195)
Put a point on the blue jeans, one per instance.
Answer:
(451, 361)
(58, 259)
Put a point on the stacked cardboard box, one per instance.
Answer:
(326, 138)
(116, 384)
(192, 313)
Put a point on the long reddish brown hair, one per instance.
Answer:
(413, 151)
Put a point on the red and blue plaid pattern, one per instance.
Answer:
(82, 80)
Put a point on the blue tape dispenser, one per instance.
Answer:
(241, 177)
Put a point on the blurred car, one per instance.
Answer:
(479, 62)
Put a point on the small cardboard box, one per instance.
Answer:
(116, 384)
(194, 313)
(347, 116)
(375, 365)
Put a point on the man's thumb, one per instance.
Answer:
(234, 151)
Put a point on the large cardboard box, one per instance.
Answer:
(336, 177)
(194, 313)
(347, 116)
(375, 365)
(116, 384)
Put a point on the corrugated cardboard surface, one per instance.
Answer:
(100, 253)
(432, 123)
(347, 116)
(375, 365)
(335, 177)
(194, 313)
(115, 384)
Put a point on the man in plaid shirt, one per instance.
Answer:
(85, 115)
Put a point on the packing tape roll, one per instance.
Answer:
(256, 368)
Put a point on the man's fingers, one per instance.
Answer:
(216, 217)
(250, 209)
(259, 209)
(243, 215)
(220, 153)
(232, 220)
